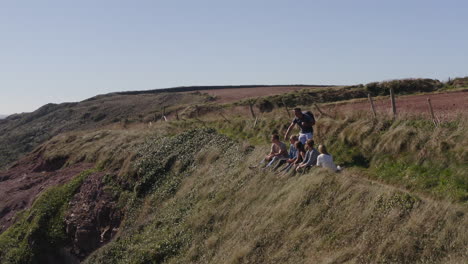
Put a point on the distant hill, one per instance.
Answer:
(21, 133)
(3, 116)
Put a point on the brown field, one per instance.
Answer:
(445, 105)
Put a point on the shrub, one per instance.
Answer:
(403, 86)
(460, 82)
(265, 106)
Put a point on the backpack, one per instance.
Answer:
(309, 113)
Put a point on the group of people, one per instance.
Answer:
(302, 153)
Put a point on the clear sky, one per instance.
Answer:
(64, 50)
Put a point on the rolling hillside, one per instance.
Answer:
(106, 180)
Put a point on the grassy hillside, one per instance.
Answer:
(410, 152)
(21, 133)
(191, 198)
(182, 192)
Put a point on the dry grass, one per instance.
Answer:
(225, 213)
(218, 211)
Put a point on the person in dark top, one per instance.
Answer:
(305, 121)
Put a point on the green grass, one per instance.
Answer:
(40, 230)
(410, 153)
(439, 181)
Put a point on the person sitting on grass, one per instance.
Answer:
(292, 147)
(301, 152)
(310, 157)
(278, 152)
(325, 160)
(292, 152)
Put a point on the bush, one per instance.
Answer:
(406, 86)
(460, 82)
(265, 106)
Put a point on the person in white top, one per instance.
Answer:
(325, 160)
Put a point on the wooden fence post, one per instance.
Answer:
(392, 98)
(320, 110)
(286, 107)
(164, 114)
(434, 119)
(372, 105)
(227, 120)
(197, 111)
(177, 114)
(251, 104)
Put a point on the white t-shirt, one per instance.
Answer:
(326, 161)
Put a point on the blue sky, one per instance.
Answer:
(61, 51)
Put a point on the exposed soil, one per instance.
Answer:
(445, 105)
(93, 218)
(25, 180)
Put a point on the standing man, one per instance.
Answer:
(305, 121)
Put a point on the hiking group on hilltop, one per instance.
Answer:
(302, 154)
